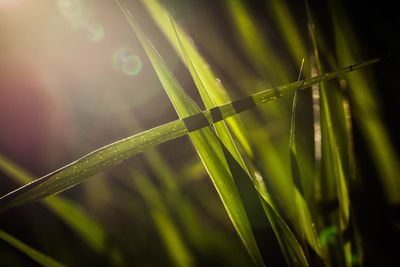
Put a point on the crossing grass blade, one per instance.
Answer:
(32, 253)
(207, 146)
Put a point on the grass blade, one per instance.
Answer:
(35, 255)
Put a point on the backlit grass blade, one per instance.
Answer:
(178, 251)
(71, 213)
(35, 255)
(207, 146)
(119, 151)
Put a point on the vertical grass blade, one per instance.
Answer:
(32, 253)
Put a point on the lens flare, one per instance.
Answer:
(126, 61)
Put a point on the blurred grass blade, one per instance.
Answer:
(71, 213)
(165, 225)
(35, 255)
(258, 49)
(288, 29)
(117, 152)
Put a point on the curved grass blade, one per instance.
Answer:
(117, 152)
(71, 213)
(35, 255)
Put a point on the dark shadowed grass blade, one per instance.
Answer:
(115, 153)
(35, 255)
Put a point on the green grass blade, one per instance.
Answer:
(71, 213)
(35, 255)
